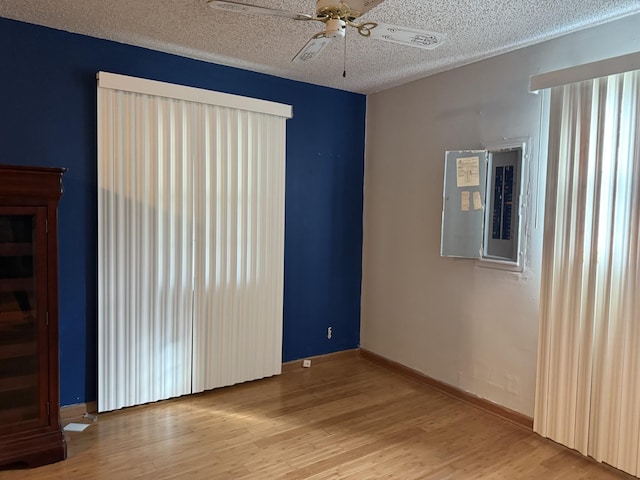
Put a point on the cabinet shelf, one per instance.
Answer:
(16, 249)
(17, 383)
(17, 284)
(16, 350)
(17, 414)
(18, 366)
(16, 330)
(12, 316)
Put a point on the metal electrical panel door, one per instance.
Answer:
(463, 210)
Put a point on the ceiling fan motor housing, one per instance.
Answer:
(332, 4)
(333, 9)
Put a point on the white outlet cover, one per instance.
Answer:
(306, 363)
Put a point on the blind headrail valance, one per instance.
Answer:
(587, 71)
(180, 92)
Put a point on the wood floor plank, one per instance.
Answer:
(348, 419)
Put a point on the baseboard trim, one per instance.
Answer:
(76, 411)
(297, 364)
(454, 392)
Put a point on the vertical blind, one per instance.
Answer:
(238, 284)
(588, 386)
(190, 240)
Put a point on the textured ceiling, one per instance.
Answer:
(475, 29)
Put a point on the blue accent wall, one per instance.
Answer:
(48, 118)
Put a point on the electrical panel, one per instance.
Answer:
(482, 204)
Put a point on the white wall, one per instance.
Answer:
(469, 326)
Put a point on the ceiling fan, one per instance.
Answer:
(337, 15)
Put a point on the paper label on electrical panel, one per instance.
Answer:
(477, 201)
(468, 172)
(465, 195)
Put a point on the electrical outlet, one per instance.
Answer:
(329, 333)
(306, 363)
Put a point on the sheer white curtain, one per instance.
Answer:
(588, 386)
(190, 240)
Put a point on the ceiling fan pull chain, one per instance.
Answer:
(344, 71)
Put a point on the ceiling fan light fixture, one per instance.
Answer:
(335, 28)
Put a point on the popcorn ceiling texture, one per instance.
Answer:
(475, 29)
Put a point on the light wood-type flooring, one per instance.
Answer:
(347, 418)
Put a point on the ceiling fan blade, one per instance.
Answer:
(362, 6)
(253, 9)
(312, 49)
(412, 37)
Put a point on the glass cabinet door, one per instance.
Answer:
(23, 343)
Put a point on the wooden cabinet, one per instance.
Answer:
(30, 433)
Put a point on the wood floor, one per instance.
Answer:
(348, 418)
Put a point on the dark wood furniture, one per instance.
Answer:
(30, 433)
